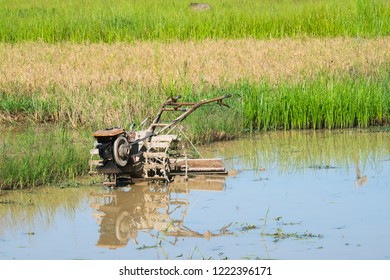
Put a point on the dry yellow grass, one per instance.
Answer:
(36, 66)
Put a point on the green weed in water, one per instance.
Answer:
(35, 157)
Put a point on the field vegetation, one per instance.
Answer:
(284, 83)
(129, 21)
(85, 65)
(41, 156)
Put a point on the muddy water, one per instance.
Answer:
(289, 195)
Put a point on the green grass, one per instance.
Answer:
(41, 156)
(328, 102)
(127, 21)
(19, 105)
(340, 101)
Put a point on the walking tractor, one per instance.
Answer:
(152, 153)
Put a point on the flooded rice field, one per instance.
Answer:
(288, 195)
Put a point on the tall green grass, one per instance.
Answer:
(40, 156)
(328, 102)
(340, 101)
(122, 20)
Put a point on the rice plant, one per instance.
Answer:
(40, 156)
(128, 21)
(339, 101)
(326, 102)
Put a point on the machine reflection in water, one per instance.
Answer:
(150, 208)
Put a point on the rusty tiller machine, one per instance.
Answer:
(151, 153)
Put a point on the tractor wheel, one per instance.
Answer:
(121, 151)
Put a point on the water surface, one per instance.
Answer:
(289, 195)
